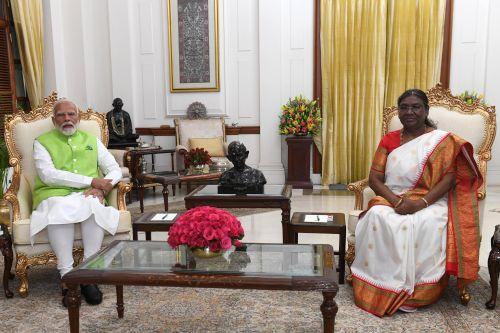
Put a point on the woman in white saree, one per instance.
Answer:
(406, 242)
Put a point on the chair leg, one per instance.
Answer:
(463, 292)
(349, 259)
(22, 273)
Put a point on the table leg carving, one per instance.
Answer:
(73, 300)
(342, 238)
(165, 196)
(329, 309)
(285, 220)
(119, 301)
(6, 248)
(141, 196)
(494, 267)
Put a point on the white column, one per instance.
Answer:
(122, 60)
(270, 33)
(54, 65)
(492, 84)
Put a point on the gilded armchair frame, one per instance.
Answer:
(438, 96)
(24, 261)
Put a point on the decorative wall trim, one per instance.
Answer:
(170, 131)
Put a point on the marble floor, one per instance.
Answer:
(266, 227)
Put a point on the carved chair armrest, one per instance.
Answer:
(357, 188)
(116, 197)
(5, 214)
(180, 149)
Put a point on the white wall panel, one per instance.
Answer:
(76, 88)
(248, 89)
(298, 27)
(149, 82)
(246, 27)
(146, 27)
(97, 55)
(470, 31)
(474, 60)
(297, 79)
(242, 65)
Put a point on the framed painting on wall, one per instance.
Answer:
(193, 45)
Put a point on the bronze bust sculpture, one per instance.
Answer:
(241, 179)
(120, 127)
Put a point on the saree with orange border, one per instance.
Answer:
(407, 259)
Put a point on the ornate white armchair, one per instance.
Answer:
(21, 129)
(474, 123)
(212, 129)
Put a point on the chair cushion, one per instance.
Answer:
(21, 230)
(214, 146)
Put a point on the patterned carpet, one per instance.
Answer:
(159, 309)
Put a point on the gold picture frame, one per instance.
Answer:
(194, 58)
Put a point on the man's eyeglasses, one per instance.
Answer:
(414, 107)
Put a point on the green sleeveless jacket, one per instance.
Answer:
(76, 153)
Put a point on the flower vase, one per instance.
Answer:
(204, 252)
(197, 169)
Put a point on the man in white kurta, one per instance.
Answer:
(68, 190)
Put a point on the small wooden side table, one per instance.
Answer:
(494, 267)
(144, 223)
(336, 226)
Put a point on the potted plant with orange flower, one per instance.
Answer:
(301, 118)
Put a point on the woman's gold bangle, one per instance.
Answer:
(425, 201)
(398, 203)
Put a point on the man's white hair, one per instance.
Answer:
(63, 101)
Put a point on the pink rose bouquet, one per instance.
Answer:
(206, 226)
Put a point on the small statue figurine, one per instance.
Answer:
(241, 179)
(120, 127)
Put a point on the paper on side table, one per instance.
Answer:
(164, 217)
(318, 218)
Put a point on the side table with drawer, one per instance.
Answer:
(335, 226)
(145, 223)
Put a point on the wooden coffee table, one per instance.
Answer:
(146, 224)
(274, 196)
(257, 266)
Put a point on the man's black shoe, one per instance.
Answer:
(91, 293)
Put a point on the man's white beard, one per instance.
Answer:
(68, 131)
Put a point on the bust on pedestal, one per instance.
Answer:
(120, 127)
(241, 179)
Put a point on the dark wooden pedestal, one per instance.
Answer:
(299, 161)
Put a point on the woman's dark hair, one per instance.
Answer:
(421, 96)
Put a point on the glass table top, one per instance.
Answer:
(269, 190)
(256, 259)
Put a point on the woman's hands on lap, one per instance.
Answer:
(409, 206)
